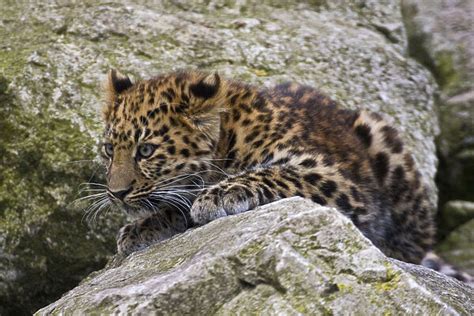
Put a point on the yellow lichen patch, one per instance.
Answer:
(260, 72)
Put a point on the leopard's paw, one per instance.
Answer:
(129, 240)
(141, 234)
(218, 202)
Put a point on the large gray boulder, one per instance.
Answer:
(458, 246)
(290, 257)
(441, 36)
(53, 56)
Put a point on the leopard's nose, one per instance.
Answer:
(121, 194)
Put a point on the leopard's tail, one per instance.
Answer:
(401, 184)
(433, 261)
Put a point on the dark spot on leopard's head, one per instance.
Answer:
(119, 82)
(207, 87)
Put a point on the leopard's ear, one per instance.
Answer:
(205, 112)
(115, 84)
(206, 87)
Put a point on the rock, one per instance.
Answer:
(457, 247)
(454, 214)
(46, 246)
(456, 148)
(291, 257)
(53, 57)
(441, 36)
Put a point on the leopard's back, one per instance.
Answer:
(372, 165)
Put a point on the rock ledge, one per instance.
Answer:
(291, 256)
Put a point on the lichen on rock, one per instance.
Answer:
(53, 57)
(458, 248)
(441, 36)
(290, 256)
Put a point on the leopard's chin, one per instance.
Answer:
(132, 209)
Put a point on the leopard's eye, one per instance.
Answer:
(109, 149)
(145, 150)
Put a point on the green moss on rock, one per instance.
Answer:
(259, 264)
(53, 57)
(439, 36)
(457, 246)
(448, 76)
(48, 246)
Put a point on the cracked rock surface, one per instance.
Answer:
(292, 256)
(54, 55)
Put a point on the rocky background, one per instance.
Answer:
(411, 60)
(441, 37)
(290, 257)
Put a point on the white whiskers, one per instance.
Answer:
(177, 193)
(98, 199)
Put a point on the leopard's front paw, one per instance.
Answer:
(141, 234)
(207, 207)
(129, 239)
(218, 202)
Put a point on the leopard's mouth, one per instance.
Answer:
(178, 196)
(132, 208)
(148, 204)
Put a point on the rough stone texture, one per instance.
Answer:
(454, 214)
(292, 257)
(46, 151)
(53, 56)
(458, 248)
(456, 147)
(441, 36)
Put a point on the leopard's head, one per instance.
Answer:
(159, 139)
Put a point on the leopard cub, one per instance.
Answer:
(188, 147)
